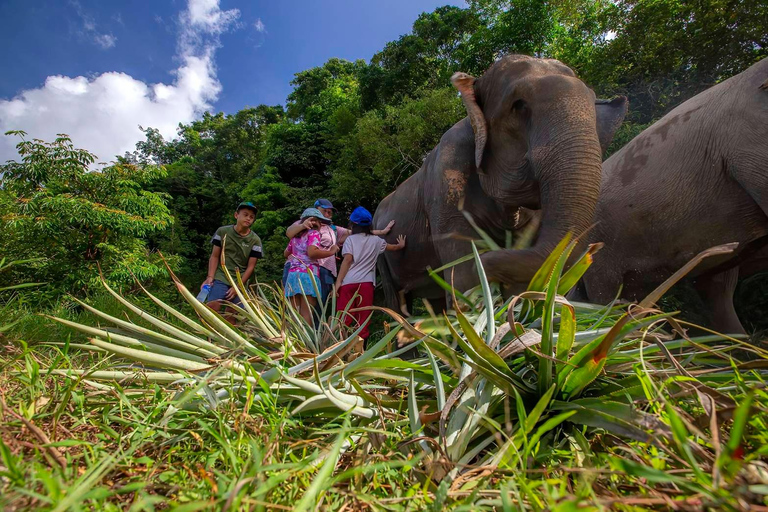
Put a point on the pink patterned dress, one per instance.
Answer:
(299, 281)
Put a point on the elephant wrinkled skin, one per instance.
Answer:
(695, 179)
(533, 138)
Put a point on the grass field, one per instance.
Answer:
(536, 404)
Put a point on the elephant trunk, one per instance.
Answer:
(568, 173)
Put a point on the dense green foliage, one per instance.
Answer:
(353, 131)
(67, 221)
(581, 415)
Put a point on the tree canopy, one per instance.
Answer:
(353, 131)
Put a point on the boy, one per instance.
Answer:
(242, 248)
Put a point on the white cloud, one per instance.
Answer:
(103, 113)
(89, 29)
(259, 25)
(205, 15)
(106, 41)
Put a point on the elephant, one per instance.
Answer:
(533, 138)
(697, 178)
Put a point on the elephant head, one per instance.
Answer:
(539, 138)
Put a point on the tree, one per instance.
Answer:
(426, 58)
(666, 51)
(387, 147)
(76, 220)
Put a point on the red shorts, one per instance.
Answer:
(364, 298)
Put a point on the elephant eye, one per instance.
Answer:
(519, 106)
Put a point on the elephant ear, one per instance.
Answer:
(466, 86)
(609, 115)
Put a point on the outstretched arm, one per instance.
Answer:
(382, 232)
(399, 245)
(297, 227)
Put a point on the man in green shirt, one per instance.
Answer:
(242, 248)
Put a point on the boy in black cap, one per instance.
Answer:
(242, 248)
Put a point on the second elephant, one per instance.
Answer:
(695, 179)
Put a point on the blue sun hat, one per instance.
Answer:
(361, 217)
(314, 212)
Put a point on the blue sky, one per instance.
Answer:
(90, 68)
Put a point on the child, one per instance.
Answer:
(242, 248)
(329, 235)
(302, 252)
(357, 275)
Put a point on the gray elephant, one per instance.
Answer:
(695, 179)
(533, 138)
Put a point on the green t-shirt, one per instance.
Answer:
(238, 250)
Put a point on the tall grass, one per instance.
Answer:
(530, 403)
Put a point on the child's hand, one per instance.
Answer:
(208, 281)
(309, 223)
(230, 293)
(401, 241)
(334, 249)
(389, 227)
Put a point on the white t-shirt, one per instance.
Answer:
(364, 250)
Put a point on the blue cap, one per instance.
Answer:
(361, 216)
(324, 203)
(314, 212)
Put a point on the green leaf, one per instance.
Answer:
(586, 364)
(548, 314)
(539, 408)
(577, 270)
(680, 436)
(548, 425)
(740, 418)
(490, 331)
(565, 337)
(616, 418)
(651, 475)
(439, 389)
(541, 277)
(482, 355)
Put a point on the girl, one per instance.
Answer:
(357, 276)
(302, 252)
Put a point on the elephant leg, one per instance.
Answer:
(717, 292)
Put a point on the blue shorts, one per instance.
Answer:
(300, 283)
(219, 291)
